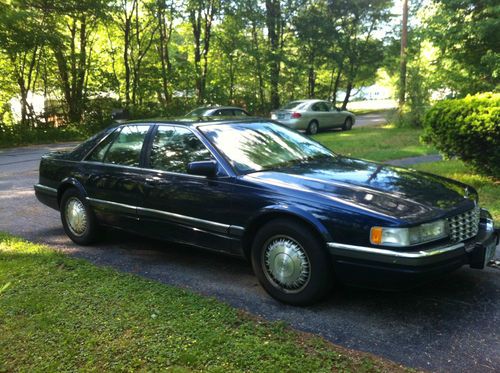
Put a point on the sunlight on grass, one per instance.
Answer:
(376, 143)
(64, 314)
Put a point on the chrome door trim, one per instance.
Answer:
(184, 219)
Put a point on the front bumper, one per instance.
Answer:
(395, 270)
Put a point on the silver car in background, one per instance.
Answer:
(216, 111)
(313, 115)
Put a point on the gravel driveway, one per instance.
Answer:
(449, 325)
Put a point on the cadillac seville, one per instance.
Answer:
(306, 217)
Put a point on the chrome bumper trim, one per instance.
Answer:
(397, 254)
(374, 254)
(45, 189)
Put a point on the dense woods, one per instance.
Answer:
(162, 57)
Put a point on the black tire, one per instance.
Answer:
(91, 231)
(347, 124)
(320, 274)
(312, 128)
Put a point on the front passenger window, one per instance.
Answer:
(174, 147)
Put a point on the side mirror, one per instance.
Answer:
(336, 108)
(202, 168)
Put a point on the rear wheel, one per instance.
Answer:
(77, 218)
(312, 128)
(291, 263)
(347, 124)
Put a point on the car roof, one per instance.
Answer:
(195, 121)
(310, 100)
(218, 107)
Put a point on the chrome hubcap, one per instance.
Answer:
(286, 264)
(76, 216)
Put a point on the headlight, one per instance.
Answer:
(408, 236)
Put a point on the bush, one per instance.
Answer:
(17, 134)
(469, 129)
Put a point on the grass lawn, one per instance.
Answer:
(376, 143)
(489, 191)
(62, 314)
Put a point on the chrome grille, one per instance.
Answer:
(464, 226)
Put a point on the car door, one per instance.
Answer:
(336, 115)
(113, 178)
(181, 207)
(321, 114)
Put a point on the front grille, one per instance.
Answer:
(464, 226)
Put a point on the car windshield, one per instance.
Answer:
(197, 112)
(293, 105)
(262, 146)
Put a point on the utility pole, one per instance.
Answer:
(403, 57)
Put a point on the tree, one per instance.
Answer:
(466, 33)
(22, 38)
(74, 25)
(404, 43)
(201, 16)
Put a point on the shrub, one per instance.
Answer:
(469, 129)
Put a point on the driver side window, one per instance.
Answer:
(174, 147)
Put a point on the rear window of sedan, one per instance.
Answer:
(294, 105)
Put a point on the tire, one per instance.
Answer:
(81, 233)
(301, 276)
(347, 124)
(312, 128)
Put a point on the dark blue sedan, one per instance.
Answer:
(305, 216)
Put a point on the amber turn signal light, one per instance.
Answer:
(376, 235)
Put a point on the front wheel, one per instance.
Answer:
(77, 218)
(291, 263)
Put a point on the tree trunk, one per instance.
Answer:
(273, 23)
(166, 65)
(255, 40)
(126, 63)
(347, 94)
(404, 41)
(336, 85)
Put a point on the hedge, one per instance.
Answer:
(468, 129)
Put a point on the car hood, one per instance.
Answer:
(376, 188)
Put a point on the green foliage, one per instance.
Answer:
(469, 129)
(62, 314)
(466, 33)
(18, 134)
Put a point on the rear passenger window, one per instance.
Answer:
(100, 150)
(126, 149)
(174, 147)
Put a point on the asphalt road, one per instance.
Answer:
(369, 120)
(449, 325)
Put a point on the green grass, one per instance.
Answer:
(488, 189)
(62, 314)
(376, 143)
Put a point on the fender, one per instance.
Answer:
(292, 211)
(70, 181)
